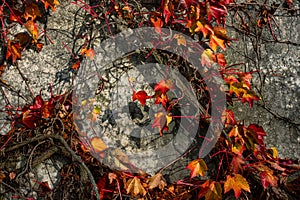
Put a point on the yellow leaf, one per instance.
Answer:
(97, 110)
(237, 184)
(98, 144)
(134, 187)
(274, 152)
(208, 58)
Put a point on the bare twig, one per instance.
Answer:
(79, 160)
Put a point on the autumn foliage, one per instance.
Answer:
(243, 166)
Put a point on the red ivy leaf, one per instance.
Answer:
(28, 119)
(38, 103)
(229, 117)
(168, 9)
(257, 129)
(267, 178)
(216, 10)
(141, 96)
(236, 163)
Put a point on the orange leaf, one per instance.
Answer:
(141, 96)
(13, 50)
(46, 110)
(2, 176)
(162, 121)
(157, 23)
(134, 187)
(180, 39)
(219, 38)
(208, 58)
(89, 53)
(12, 175)
(237, 184)
(31, 26)
(221, 33)
(39, 46)
(23, 38)
(235, 132)
(112, 177)
(51, 3)
(197, 167)
(221, 60)
(238, 89)
(161, 98)
(2, 69)
(211, 190)
(164, 86)
(157, 181)
(238, 147)
(205, 29)
(76, 65)
(273, 151)
(215, 42)
(98, 144)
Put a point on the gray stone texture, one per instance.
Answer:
(277, 78)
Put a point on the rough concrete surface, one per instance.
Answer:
(276, 79)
